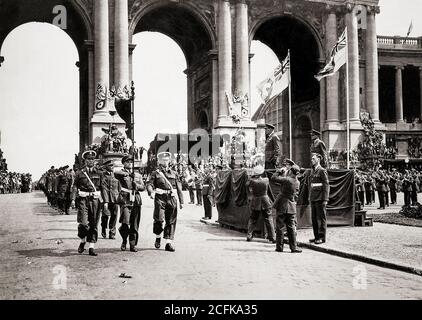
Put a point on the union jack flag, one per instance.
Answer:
(337, 58)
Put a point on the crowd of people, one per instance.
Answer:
(13, 182)
(387, 184)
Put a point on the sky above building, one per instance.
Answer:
(39, 87)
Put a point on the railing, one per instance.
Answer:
(400, 42)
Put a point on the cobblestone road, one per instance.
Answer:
(209, 263)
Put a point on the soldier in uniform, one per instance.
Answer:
(208, 194)
(318, 146)
(199, 176)
(87, 191)
(285, 206)
(64, 188)
(164, 187)
(110, 193)
(320, 192)
(260, 203)
(272, 148)
(131, 186)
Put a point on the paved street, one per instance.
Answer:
(38, 246)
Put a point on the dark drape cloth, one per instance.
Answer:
(239, 192)
(223, 188)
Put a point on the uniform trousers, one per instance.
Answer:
(319, 219)
(109, 218)
(191, 194)
(199, 196)
(286, 220)
(207, 207)
(88, 218)
(381, 198)
(130, 218)
(165, 213)
(268, 222)
(393, 194)
(407, 198)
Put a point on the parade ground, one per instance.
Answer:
(39, 260)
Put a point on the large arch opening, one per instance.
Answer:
(281, 34)
(40, 98)
(75, 22)
(194, 39)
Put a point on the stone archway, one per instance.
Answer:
(183, 23)
(281, 33)
(302, 141)
(14, 13)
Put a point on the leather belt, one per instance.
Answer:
(84, 194)
(316, 184)
(162, 191)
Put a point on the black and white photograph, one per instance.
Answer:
(222, 152)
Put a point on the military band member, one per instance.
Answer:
(320, 191)
(164, 187)
(131, 186)
(111, 191)
(87, 191)
(285, 206)
(260, 203)
(318, 146)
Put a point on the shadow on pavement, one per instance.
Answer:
(39, 253)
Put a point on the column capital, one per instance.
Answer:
(349, 7)
(373, 10)
(399, 67)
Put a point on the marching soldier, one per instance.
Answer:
(131, 186)
(285, 206)
(318, 146)
(166, 191)
(198, 184)
(320, 192)
(64, 188)
(260, 203)
(110, 193)
(87, 191)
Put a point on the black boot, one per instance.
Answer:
(92, 252)
(81, 248)
(170, 248)
(123, 246)
(157, 243)
(133, 246)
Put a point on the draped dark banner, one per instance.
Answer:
(232, 199)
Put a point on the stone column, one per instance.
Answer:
(399, 94)
(353, 42)
(372, 94)
(121, 44)
(332, 82)
(420, 83)
(242, 50)
(224, 57)
(102, 56)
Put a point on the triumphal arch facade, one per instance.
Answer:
(215, 36)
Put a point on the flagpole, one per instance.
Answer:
(347, 102)
(290, 108)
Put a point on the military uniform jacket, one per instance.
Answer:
(126, 182)
(320, 187)
(199, 180)
(289, 190)
(259, 189)
(381, 185)
(111, 188)
(82, 183)
(64, 184)
(157, 181)
(208, 186)
(272, 151)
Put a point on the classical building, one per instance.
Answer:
(215, 36)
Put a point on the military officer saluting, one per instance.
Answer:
(164, 187)
(110, 192)
(131, 186)
(318, 146)
(320, 191)
(87, 189)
